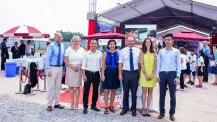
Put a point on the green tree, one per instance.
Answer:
(67, 36)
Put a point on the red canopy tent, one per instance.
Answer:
(189, 35)
(105, 35)
(25, 32)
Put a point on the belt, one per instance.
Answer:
(130, 71)
(56, 65)
(166, 72)
(93, 72)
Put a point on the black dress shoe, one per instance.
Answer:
(133, 112)
(58, 106)
(123, 112)
(85, 111)
(161, 116)
(172, 118)
(95, 108)
(49, 108)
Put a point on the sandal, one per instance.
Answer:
(215, 83)
(144, 112)
(148, 114)
(106, 111)
(112, 109)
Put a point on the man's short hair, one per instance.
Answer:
(168, 35)
(5, 39)
(192, 50)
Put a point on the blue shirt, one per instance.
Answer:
(215, 54)
(169, 60)
(206, 51)
(112, 59)
(52, 55)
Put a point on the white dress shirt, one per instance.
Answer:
(92, 61)
(28, 48)
(125, 58)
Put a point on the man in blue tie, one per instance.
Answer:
(168, 74)
(129, 68)
(54, 61)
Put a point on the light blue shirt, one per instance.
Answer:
(52, 55)
(169, 60)
(215, 54)
(206, 51)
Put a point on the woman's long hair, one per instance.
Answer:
(144, 48)
(201, 53)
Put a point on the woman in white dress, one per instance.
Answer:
(73, 60)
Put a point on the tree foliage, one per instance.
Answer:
(67, 36)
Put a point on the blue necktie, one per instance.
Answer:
(58, 59)
(131, 60)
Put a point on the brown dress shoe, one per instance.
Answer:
(49, 108)
(172, 118)
(161, 116)
(59, 106)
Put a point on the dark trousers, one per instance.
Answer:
(205, 76)
(167, 78)
(130, 82)
(93, 78)
(3, 60)
(182, 85)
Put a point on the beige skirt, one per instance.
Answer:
(73, 79)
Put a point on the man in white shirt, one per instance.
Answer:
(91, 66)
(129, 62)
(28, 48)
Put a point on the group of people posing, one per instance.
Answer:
(130, 66)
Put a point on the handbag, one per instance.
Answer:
(27, 88)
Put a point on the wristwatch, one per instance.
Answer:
(177, 77)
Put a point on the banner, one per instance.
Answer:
(140, 32)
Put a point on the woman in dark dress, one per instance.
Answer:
(110, 74)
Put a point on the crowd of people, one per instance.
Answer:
(132, 66)
(17, 51)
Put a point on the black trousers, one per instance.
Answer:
(167, 78)
(130, 82)
(93, 78)
(3, 60)
(182, 85)
(205, 76)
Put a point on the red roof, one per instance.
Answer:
(189, 35)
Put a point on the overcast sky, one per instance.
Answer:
(51, 15)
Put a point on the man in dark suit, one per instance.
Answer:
(22, 48)
(4, 53)
(15, 51)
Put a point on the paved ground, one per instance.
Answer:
(193, 105)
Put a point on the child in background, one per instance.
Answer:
(200, 69)
(193, 66)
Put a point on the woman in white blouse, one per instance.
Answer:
(73, 60)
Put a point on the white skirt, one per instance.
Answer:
(73, 79)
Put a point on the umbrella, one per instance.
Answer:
(189, 35)
(1, 36)
(25, 32)
(105, 35)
